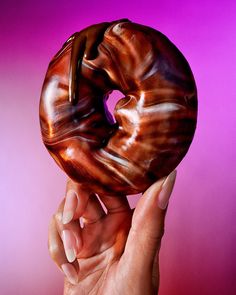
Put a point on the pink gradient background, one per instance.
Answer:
(198, 255)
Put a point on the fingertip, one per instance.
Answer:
(156, 188)
(71, 201)
(70, 272)
(69, 245)
(155, 200)
(67, 217)
(166, 190)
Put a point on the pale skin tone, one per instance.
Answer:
(117, 249)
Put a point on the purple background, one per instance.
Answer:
(198, 255)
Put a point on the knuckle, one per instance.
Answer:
(154, 238)
(57, 216)
(54, 251)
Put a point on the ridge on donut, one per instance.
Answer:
(154, 123)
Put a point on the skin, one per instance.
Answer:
(117, 249)
(99, 243)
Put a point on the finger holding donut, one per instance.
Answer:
(70, 244)
(119, 246)
(100, 215)
(66, 236)
(64, 242)
(76, 201)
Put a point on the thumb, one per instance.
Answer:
(147, 226)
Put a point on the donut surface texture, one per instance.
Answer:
(154, 123)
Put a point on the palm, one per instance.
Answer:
(103, 244)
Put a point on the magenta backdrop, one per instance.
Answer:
(198, 255)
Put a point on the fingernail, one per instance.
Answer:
(67, 217)
(69, 241)
(69, 207)
(166, 190)
(70, 273)
(81, 221)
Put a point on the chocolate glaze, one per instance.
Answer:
(84, 43)
(155, 121)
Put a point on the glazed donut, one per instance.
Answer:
(154, 122)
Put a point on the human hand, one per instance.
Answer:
(115, 252)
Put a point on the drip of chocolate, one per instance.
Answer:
(154, 123)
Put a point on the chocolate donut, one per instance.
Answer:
(154, 122)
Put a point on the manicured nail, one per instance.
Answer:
(81, 221)
(69, 241)
(166, 190)
(69, 207)
(70, 273)
(67, 217)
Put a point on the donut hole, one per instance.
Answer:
(111, 102)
